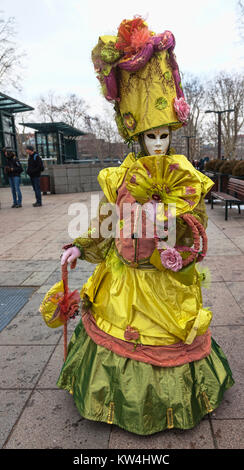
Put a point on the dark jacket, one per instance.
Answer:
(201, 164)
(35, 165)
(13, 167)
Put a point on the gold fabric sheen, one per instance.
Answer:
(146, 96)
(164, 307)
(140, 397)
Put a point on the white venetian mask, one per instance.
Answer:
(157, 140)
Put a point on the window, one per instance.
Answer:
(7, 134)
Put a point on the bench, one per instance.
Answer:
(235, 194)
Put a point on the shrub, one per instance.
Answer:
(238, 169)
(218, 164)
(210, 165)
(227, 167)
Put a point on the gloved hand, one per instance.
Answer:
(70, 256)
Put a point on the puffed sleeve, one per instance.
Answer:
(92, 245)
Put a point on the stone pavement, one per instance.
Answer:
(34, 413)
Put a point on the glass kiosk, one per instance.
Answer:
(55, 141)
(8, 108)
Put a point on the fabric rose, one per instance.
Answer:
(171, 259)
(133, 35)
(131, 334)
(182, 109)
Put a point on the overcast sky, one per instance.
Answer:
(58, 36)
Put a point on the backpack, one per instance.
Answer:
(42, 166)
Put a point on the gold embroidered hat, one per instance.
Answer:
(138, 71)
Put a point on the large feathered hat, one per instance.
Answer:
(138, 71)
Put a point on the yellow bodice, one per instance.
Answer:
(164, 307)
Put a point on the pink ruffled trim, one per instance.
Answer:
(162, 356)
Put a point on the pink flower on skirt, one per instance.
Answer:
(182, 109)
(131, 334)
(171, 259)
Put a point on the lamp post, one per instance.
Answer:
(219, 125)
(188, 137)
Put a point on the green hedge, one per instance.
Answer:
(227, 167)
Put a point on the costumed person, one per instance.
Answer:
(142, 356)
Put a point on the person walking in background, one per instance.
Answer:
(13, 170)
(201, 164)
(34, 169)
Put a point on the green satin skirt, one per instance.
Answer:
(139, 397)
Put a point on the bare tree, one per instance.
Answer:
(95, 127)
(10, 57)
(195, 96)
(48, 107)
(105, 132)
(226, 91)
(70, 109)
(74, 110)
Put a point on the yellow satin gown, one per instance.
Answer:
(156, 303)
(164, 307)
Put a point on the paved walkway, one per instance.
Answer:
(34, 413)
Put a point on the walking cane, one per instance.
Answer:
(65, 283)
(69, 304)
